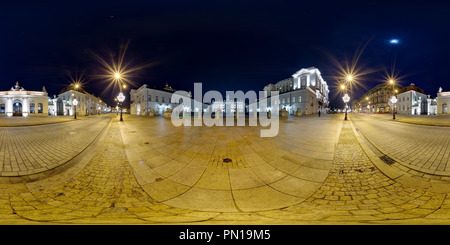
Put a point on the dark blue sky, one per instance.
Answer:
(226, 45)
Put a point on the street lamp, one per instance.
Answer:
(346, 99)
(393, 101)
(121, 98)
(75, 103)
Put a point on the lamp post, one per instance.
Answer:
(121, 98)
(75, 103)
(393, 101)
(346, 99)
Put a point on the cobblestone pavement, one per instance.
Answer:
(431, 120)
(104, 185)
(34, 120)
(34, 149)
(422, 148)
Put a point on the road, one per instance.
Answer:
(33, 149)
(419, 147)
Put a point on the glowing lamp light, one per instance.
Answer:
(117, 75)
(121, 97)
(394, 41)
(346, 98)
(393, 100)
(349, 78)
(75, 102)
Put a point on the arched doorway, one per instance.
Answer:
(59, 107)
(17, 109)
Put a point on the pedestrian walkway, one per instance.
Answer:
(35, 149)
(106, 187)
(230, 169)
(33, 120)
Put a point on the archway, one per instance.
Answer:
(17, 109)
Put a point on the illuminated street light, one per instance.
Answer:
(121, 98)
(393, 101)
(346, 99)
(349, 78)
(75, 103)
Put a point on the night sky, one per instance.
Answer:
(226, 45)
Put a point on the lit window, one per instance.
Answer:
(32, 108)
(40, 109)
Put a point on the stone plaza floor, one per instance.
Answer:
(317, 170)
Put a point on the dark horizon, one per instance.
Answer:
(225, 45)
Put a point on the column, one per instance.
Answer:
(25, 107)
(9, 107)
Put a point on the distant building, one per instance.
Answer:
(152, 101)
(413, 101)
(88, 104)
(306, 91)
(21, 102)
(376, 100)
(443, 100)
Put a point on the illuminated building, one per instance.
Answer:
(88, 104)
(21, 102)
(376, 100)
(443, 100)
(306, 91)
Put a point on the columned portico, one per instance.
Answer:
(20, 102)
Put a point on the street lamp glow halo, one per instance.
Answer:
(121, 97)
(394, 41)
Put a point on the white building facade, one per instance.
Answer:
(415, 102)
(23, 103)
(443, 101)
(306, 92)
(147, 101)
(88, 104)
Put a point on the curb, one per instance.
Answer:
(34, 177)
(400, 176)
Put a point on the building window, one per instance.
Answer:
(293, 99)
(40, 109)
(32, 108)
(162, 99)
(287, 101)
(299, 99)
(444, 108)
(156, 98)
(2, 108)
(303, 81)
(149, 98)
